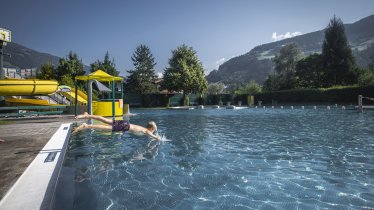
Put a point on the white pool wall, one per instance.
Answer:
(35, 187)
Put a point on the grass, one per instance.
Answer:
(2, 122)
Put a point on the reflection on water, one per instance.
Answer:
(149, 152)
(225, 159)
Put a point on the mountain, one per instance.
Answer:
(257, 64)
(26, 58)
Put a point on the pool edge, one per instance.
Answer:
(34, 189)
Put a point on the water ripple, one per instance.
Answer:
(226, 159)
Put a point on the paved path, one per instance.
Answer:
(23, 139)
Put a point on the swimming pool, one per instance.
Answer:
(225, 159)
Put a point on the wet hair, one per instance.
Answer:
(152, 124)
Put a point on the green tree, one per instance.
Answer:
(67, 80)
(285, 65)
(106, 65)
(46, 71)
(141, 79)
(215, 88)
(71, 65)
(185, 73)
(310, 72)
(338, 58)
(271, 83)
(371, 64)
(366, 76)
(251, 88)
(285, 62)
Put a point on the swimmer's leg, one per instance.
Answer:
(81, 127)
(95, 117)
(100, 127)
(85, 126)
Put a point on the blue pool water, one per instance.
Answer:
(225, 159)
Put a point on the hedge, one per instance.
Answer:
(329, 95)
(164, 100)
(341, 95)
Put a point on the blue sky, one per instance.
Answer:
(218, 30)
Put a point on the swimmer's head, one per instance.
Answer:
(152, 126)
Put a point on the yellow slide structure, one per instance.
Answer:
(81, 96)
(23, 102)
(80, 93)
(29, 102)
(26, 87)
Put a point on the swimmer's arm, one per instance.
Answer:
(149, 133)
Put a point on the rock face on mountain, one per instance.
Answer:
(257, 64)
(24, 58)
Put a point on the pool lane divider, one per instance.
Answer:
(34, 189)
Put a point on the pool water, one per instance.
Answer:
(225, 159)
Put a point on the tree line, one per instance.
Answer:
(184, 74)
(335, 66)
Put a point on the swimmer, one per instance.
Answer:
(118, 125)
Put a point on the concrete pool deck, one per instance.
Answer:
(23, 140)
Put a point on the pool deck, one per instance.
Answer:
(23, 139)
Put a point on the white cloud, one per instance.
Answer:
(220, 61)
(159, 74)
(276, 37)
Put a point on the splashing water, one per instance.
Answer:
(162, 137)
